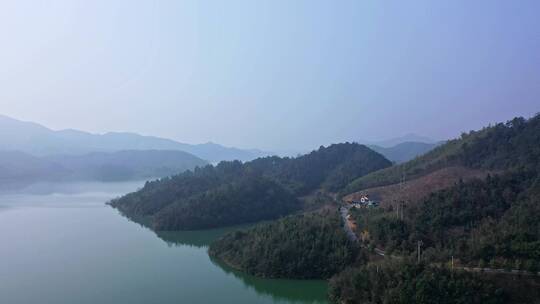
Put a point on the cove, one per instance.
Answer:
(62, 244)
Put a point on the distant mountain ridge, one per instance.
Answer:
(37, 140)
(392, 142)
(20, 167)
(16, 166)
(405, 151)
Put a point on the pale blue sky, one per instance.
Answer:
(270, 74)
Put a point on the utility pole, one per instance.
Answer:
(419, 244)
(401, 187)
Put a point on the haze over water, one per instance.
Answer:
(67, 246)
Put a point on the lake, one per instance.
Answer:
(62, 244)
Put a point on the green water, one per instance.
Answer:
(67, 246)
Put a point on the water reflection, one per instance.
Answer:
(79, 238)
(192, 238)
(279, 290)
(295, 291)
(196, 238)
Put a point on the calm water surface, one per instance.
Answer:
(62, 244)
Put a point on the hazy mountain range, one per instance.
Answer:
(405, 151)
(37, 140)
(30, 152)
(20, 167)
(392, 142)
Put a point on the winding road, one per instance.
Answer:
(347, 224)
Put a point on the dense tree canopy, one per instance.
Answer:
(234, 193)
(405, 282)
(331, 167)
(493, 220)
(244, 200)
(302, 246)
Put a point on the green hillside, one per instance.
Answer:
(492, 221)
(407, 282)
(243, 200)
(482, 222)
(510, 145)
(302, 246)
(235, 193)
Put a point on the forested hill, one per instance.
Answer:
(234, 193)
(331, 167)
(310, 246)
(490, 221)
(511, 145)
(406, 282)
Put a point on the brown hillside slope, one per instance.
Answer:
(414, 190)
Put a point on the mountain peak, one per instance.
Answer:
(409, 137)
